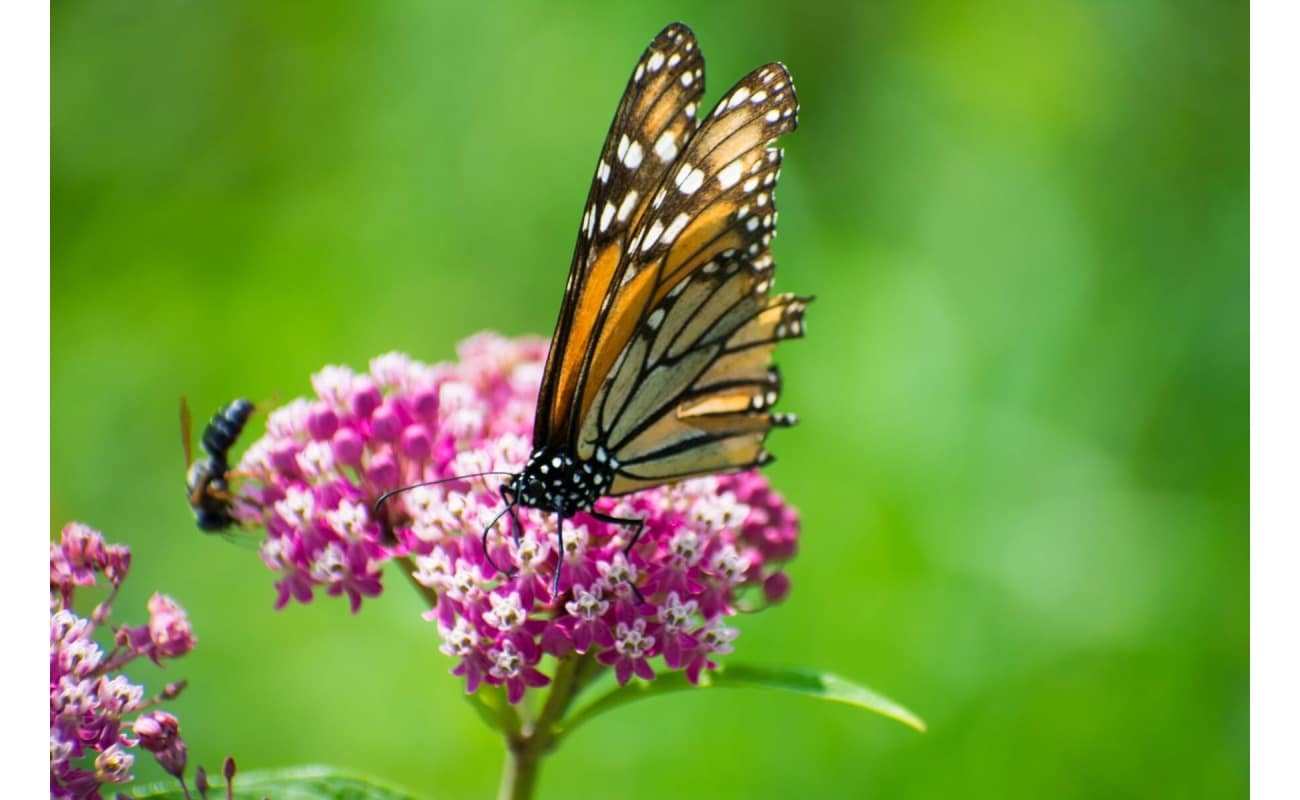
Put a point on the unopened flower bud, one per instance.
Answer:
(348, 447)
(173, 758)
(156, 730)
(385, 423)
(322, 423)
(776, 587)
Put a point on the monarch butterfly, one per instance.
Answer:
(660, 364)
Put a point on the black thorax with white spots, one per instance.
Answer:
(555, 480)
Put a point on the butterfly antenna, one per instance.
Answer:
(384, 497)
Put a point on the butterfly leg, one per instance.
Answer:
(517, 527)
(559, 564)
(639, 526)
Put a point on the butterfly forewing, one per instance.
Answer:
(662, 358)
(682, 390)
(655, 120)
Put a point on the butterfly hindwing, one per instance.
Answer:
(707, 408)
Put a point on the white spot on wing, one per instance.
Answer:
(655, 319)
(625, 208)
(689, 179)
(666, 147)
(676, 227)
(632, 159)
(656, 61)
(606, 217)
(652, 236)
(730, 174)
(737, 97)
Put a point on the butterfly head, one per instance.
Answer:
(556, 480)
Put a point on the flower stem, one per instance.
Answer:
(525, 749)
(520, 774)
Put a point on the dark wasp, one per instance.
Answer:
(207, 480)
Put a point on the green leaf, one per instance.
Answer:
(491, 704)
(296, 783)
(821, 685)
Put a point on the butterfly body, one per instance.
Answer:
(556, 480)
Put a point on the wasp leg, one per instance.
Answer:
(224, 495)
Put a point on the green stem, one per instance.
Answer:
(526, 748)
(563, 689)
(526, 743)
(519, 777)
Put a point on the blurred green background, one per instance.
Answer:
(1023, 457)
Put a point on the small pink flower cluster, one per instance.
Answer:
(314, 478)
(89, 743)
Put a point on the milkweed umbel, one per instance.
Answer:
(660, 364)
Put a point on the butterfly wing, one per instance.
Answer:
(680, 382)
(654, 122)
(661, 358)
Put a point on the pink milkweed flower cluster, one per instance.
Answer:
(91, 740)
(710, 547)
